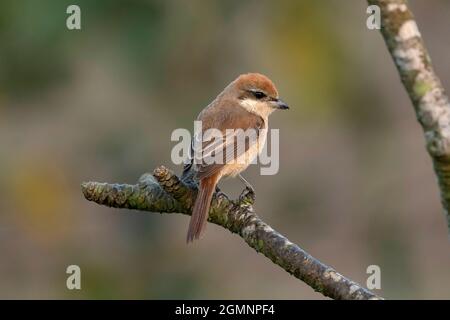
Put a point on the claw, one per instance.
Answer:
(247, 196)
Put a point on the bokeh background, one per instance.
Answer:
(355, 187)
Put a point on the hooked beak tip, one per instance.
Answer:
(282, 105)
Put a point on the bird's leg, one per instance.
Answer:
(248, 195)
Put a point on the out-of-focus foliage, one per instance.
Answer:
(355, 186)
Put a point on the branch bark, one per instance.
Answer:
(164, 192)
(431, 104)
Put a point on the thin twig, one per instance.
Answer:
(432, 106)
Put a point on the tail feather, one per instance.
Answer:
(200, 212)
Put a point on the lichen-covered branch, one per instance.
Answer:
(164, 192)
(424, 88)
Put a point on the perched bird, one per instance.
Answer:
(243, 106)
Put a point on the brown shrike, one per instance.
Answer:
(243, 106)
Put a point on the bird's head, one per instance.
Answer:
(256, 93)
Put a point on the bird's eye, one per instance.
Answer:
(259, 94)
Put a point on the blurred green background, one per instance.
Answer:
(355, 185)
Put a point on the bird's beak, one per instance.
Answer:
(280, 104)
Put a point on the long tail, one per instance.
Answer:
(201, 208)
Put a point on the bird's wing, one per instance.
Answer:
(226, 146)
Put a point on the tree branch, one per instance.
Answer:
(423, 86)
(164, 192)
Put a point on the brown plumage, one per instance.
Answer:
(244, 104)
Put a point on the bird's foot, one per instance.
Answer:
(247, 196)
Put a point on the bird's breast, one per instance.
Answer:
(244, 160)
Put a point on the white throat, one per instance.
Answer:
(256, 107)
